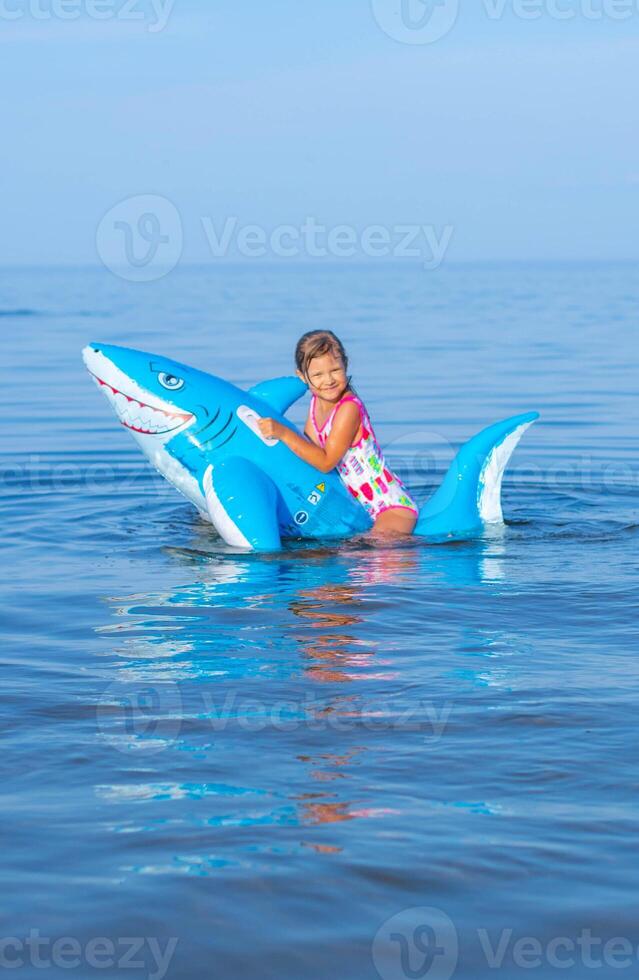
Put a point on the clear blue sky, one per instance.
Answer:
(522, 134)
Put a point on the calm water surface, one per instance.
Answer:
(333, 762)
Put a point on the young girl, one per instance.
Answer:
(341, 435)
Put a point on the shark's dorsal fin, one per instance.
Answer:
(279, 393)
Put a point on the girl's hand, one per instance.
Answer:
(270, 429)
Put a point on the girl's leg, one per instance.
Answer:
(394, 521)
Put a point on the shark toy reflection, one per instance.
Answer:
(201, 434)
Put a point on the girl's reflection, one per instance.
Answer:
(331, 616)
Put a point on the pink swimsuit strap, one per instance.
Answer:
(347, 398)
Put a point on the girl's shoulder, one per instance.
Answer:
(348, 398)
(350, 402)
(353, 397)
(319, 424)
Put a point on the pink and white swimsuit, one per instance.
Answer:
(363, 468)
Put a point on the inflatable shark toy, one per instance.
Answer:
(201, 433)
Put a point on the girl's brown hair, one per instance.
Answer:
(315, 343)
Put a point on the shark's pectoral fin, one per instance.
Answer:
(242, 504)
(279, 393)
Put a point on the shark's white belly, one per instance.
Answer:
(209, 506)
(173, 471)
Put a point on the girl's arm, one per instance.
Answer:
(323, 458)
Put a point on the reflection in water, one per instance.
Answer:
(330, 653)
(492, 566)
(288, 677)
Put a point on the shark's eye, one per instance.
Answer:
(170, 381)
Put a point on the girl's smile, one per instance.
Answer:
(326, 377)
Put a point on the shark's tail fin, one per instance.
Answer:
(470, 495)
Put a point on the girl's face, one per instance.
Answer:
(326, 377)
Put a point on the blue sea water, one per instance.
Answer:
(351, 762)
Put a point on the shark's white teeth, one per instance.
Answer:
(140, 417)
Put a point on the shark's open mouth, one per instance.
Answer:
(140, 417)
